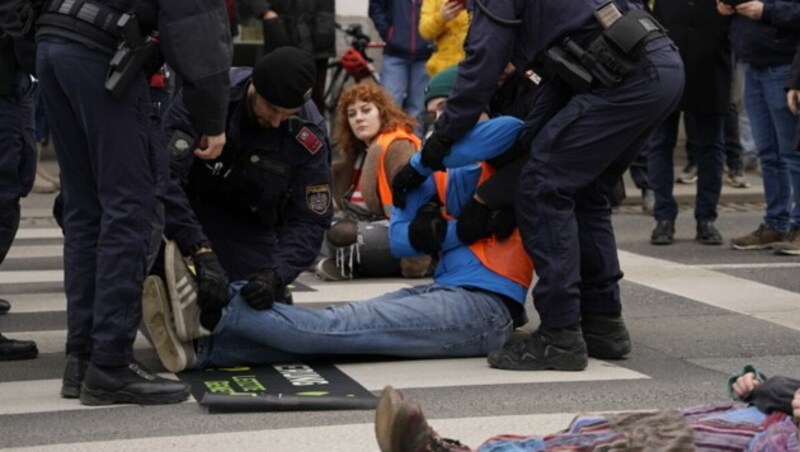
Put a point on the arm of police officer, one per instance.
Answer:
(782, 14)
(400, 223)
(24, 47)
(485, 141)
(195, 39)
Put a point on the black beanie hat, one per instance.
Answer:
(285, 77)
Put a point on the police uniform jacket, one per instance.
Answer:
(701, 34)
(265, 203)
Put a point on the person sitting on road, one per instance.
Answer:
(763, 416)
(375, 138)
(470, 309)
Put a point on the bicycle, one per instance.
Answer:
(352, 67)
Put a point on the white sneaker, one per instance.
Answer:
(175, 355)
(182, 289)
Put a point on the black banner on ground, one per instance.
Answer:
(280, 387)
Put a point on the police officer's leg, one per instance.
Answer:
(116, 180)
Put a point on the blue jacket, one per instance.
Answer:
(265, 203)
(771, 40)
(397, 21)
(458, 266)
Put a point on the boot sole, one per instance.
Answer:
(388, 406)
(71, 391)
(98, 397)
(563, 365)
(20, 356)
(754, 247)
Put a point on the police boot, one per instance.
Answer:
(12, 350)
(5, 306)
(545, 349)
(129, 384)
(606, 336)
(74, 371)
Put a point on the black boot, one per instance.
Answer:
(129, 384)
(12, 350)
(74, 371)
(606, 336)
(5, 306)
(556, 349)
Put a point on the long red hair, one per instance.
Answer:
(391, 116)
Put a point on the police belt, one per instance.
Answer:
(608, 58)
(88, 22)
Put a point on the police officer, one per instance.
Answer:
(258, 212)
(610, 76)
(90, 59)
(18, 154)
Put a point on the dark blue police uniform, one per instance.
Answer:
(579, 145)
(265, 203)
(18, 156)
(111, 156)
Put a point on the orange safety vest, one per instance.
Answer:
(384, 140)
(507, 258)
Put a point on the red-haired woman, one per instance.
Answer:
(374, 138)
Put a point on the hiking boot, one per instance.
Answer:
(556, 349)
(13, 349)
(688, 175)
(74, 371)
(182, 295)
(736, 179)
(762, 238)
(327, 270)
(174, 355)
(412, 433)
(606, 336)
(663, 234)
(791, 245)
(707, 234)
(388, 405)
(129, 384)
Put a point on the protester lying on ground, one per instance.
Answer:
(762, 417)
(470, 309)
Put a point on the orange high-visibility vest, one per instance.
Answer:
(506, 258)
(384, 140)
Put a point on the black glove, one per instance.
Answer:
(477, 221)
(212, 282)
(435, 150)
(263, 290)
(428, 229)
(406, 179)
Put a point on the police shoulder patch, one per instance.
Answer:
(309, 140)
(180, 144)
(318, 198)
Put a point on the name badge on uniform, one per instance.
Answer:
(180, 144)
(309, 140)
(318, 198)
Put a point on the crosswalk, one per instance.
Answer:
(466, 399)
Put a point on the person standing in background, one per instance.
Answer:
(445, 23)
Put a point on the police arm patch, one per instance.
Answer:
(180, 144)
(309, 140)
(318, 198)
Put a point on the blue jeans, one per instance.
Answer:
(707, 132)
(429, 321)
(773, 128)
(405, 80)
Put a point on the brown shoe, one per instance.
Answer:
(762, 238)
(388, 405)
(411, 433)
(791, 245)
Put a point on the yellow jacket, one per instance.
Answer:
(448, 36)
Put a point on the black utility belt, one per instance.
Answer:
(609, 57)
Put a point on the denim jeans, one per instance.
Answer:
(429, 321)
(707, 131)
(405, 80)
(773, 128)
